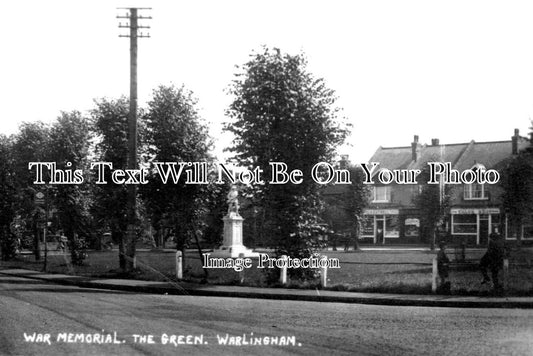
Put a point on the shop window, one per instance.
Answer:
(381, 194)
(392, 226)
(367, 226)
(412, 226)
(464, 224)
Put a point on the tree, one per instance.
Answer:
(69, 146)
(282, 113)
(8, 198)
(355, 201)
(517, 184)
(30, 145)
(432, 201)
(344, 211)
(216, 207)
(175, 133)
(110, 124)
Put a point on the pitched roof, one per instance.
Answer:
(461, 155)
(392, 157)
(488, 154)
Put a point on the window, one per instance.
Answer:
(392, 226)
(510, 229)
(464, 224)
(382, 194)
(495, 222)
(367, 228)
(412, 226)
(474, 191)
(527, 228)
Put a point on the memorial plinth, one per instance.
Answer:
(232, 245)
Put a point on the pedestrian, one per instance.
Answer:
(493, 259)
(62, 241)
(443, 263)
(443, 267)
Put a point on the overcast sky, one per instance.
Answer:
(453, 70)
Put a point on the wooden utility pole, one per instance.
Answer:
(133, 25)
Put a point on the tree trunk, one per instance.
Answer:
(206, 275)
(355, 236)
(434, 235)
(36, 244)
(121, 249)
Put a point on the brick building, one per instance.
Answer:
(475, 210)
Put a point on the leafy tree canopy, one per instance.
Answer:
(175, 133)
(282, 113)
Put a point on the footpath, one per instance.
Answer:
(192, 289)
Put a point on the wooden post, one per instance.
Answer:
(283, 273)
(45, 246)
(505, 273)
(241, 273)
(131, 203)
(324, 273)
(435, 273)
(179, 266)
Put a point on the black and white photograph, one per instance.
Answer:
(282, 177)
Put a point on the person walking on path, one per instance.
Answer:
(443, 266)
(443, 262)
(493, 259)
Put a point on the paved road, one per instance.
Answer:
(84, 316)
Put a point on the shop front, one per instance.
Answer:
(474, 225)
(513, 230)
(381, 225)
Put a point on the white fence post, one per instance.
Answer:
(283, 273)
(179, 265)
(241, 273)
(434, 275)
(324, 272)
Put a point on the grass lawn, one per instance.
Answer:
(363, 271)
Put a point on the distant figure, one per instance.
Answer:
(380, 239)
(62, 242)
(493, 259)
(233, 200)
(443, 263)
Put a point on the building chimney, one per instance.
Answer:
(434, 142)
(514, 141)
(414, 148)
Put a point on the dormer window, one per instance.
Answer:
(475, 191)
(381, 194)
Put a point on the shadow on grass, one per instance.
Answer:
(387, 288)
(411, 271)
(69, 290)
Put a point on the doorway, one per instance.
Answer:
(380, 225)
(484, 230)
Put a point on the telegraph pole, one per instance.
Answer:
(133, 25)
